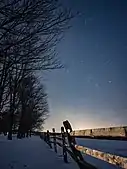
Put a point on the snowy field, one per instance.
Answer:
(31, 153)
(34, 153)
(109, 146)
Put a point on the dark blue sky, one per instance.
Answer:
(92, 90)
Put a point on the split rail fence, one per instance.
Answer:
(66, 140)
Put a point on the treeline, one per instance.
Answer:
(29, 32)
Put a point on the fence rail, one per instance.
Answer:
(110, 158)
(69, 145)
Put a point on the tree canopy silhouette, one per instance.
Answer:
(29, 33)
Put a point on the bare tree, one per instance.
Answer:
(29, 32)
(34, 106)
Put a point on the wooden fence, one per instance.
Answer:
(66, 140)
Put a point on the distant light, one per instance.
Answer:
(109, 81)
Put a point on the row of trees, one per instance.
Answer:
(29, 32)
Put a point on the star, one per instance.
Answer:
(107, 62)
(97, 85)
(67, 71)
(81, 61)
(85, 21)
(109, 81)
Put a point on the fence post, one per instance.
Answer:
(48, 139)
(76, 154)
(54, 140)
(64, 145)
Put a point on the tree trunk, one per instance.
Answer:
(20, 129)
(10, 126)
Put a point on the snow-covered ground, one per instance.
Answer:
(109, 146)
(31, 153)
(34, 153)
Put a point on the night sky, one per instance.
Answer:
(92, 89)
